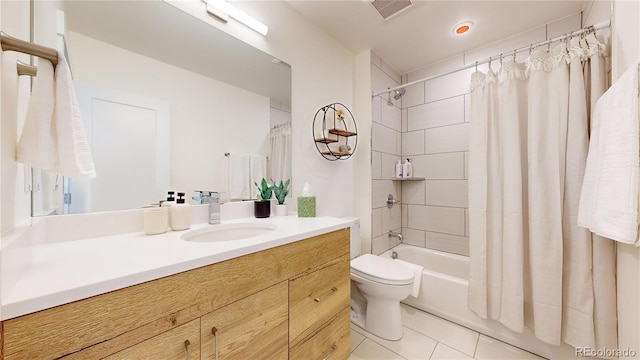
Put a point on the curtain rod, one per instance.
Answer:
(601, 25)
(9, 43)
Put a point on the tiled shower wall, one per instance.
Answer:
(386, 147)
(434, 128)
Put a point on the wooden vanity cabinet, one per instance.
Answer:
(260, 306)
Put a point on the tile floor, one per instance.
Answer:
(427, 337)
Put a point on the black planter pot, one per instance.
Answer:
(262, 208)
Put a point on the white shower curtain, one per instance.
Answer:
(531, 265)
(281, 152)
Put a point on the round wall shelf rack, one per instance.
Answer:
(335, 132)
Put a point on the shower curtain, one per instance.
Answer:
(531, 265)
(281, 152)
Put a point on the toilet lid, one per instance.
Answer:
(382, 270)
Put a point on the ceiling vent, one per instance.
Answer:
(388, 8)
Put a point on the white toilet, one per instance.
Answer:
(383, 283)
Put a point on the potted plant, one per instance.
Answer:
(280, 191)
(262, 206)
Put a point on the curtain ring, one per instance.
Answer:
(514, 55)
(476, 66)
(530, 48)
(500, 59)
(489, 62)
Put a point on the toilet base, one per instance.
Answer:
(384, 319)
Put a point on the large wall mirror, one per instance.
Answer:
(164, 97)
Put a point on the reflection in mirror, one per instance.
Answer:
(164, 96)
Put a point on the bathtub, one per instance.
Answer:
(443, 292)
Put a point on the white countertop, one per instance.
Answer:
(63, 272)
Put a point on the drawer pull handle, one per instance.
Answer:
(214, 331)
(333, 350)
(319, 299)
(187, 346)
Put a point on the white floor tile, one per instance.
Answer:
(356, 339)
(369, 350)
(452, 335)
(413, 344)
(443, 352)
(489, 348)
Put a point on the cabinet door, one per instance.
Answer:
(255, 327)
(330, 342)
(181, 343)
(316, 297)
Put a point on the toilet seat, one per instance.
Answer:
(381, 270)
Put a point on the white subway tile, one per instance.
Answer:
(380, 80)
(389, 166)
(466, 165)
(413, 143)
(375, 60)
(413, 192)
(404, 120)
(390, 71)
(447, 139)
(376, 165)
(467, 108)
(403, 208)
(383, 139)
(466, 222)
(391, 116)
(399, 143)
(438, 219)
(449, 243)
(414, 237)
(438, 113)
(439, 166)
(564, 26)
(448, 86)
(376, 109)
(447, 193)
(414, 95)
(446, 65)
(380, 189)
(376, 222)
(391, 218)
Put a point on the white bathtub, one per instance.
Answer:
(443, 293)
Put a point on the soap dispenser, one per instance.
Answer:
(407, 169)
(180, 214)
(170, 199)
(399, 170)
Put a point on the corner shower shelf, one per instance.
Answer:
(333, 128)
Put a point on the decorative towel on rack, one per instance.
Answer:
(37, 146)
(239, 177)
(53, 137)
(609, 198)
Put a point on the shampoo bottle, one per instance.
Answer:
(407, 169)
(180, 214)
(399, 170)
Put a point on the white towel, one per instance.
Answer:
(609, 198)
(37, 146)
(417, 271)
(258, 171)
(74, 154)
(239, 177)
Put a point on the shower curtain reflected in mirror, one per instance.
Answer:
(531, 265)
(281, 152)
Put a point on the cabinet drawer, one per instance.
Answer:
(181, 343)
(331, 342)
(252, 328)
(316, 297)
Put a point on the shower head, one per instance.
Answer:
(398, 93)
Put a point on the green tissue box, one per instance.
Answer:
(307, 206)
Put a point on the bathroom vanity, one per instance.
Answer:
(289, 301)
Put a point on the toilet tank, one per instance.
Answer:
(355, 237)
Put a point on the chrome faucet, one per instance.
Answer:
(395, 234)
(213, 199)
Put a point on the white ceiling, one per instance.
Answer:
(422, 34)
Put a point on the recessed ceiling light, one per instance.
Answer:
(463, 27)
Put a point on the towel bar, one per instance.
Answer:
(9, 43)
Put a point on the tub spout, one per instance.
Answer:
(395, 234)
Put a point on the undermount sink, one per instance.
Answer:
(228, 232)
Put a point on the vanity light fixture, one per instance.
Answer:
(223, 10)
(462, 28)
